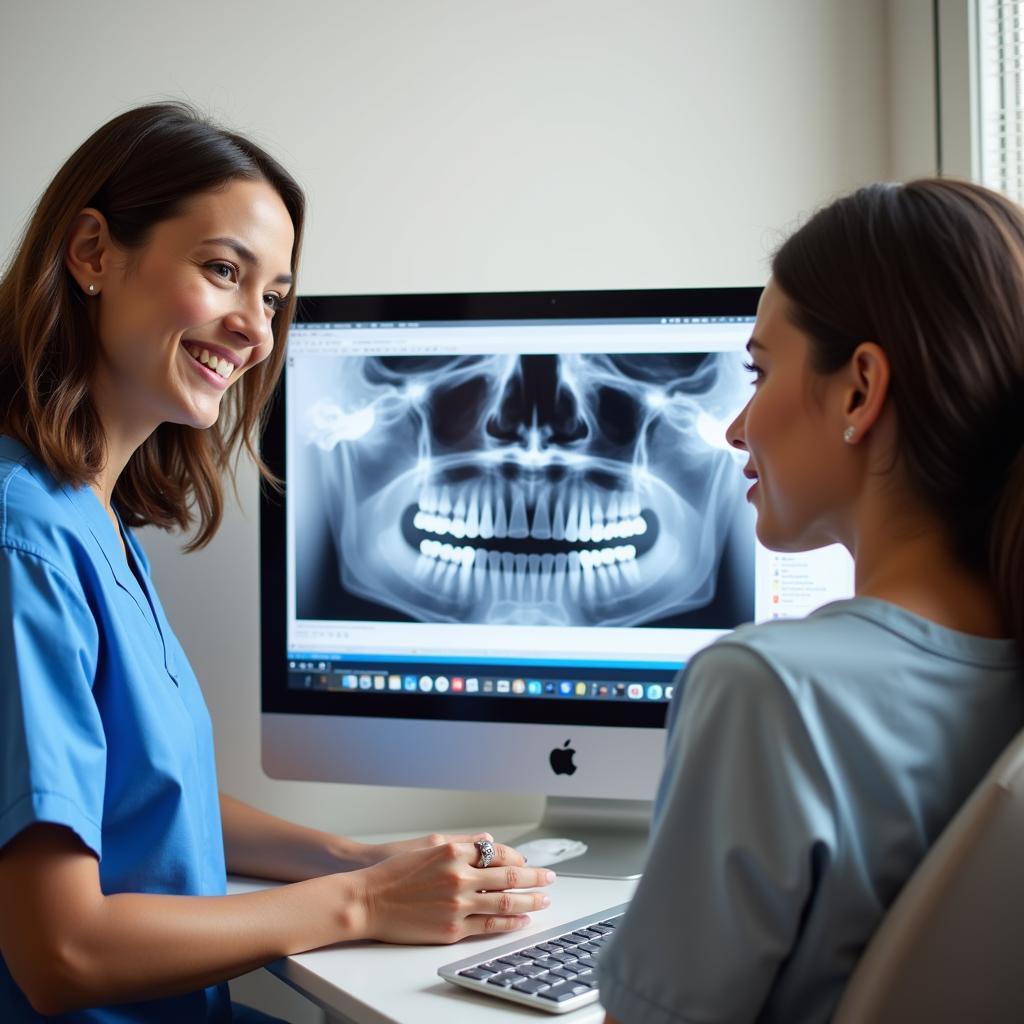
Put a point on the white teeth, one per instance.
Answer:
(613, 508)
(482, 525)
(572, 533)
(221, 367)
(517, 524)
(541, 528)
(584, 527)
(500, 522)
(486, 520)
(558, 522)
(473, 517)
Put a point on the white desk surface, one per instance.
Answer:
(376, 983)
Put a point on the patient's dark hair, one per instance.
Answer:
(138, 169)
(933, 272)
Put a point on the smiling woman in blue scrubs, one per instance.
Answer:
(142, 329)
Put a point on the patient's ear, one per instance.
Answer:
(88, 252)
(866, 390)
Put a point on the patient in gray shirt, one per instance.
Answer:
(810, 764)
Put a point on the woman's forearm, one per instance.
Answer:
(69, 945)
(143, 946)
(265, 846)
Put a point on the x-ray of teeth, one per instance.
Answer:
(567, 490)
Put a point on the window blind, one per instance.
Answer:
(1000, 41)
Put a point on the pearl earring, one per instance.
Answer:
(92, 289)
(848, 434)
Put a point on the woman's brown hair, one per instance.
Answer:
(138, 169)
(933, 271)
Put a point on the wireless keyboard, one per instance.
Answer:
(553, 971)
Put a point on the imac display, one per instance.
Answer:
(508, 520)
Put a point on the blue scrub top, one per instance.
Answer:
(103, 728)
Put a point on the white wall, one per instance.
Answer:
(465, 145)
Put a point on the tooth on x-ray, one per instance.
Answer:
(563, 490)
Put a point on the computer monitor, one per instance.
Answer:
(507, 521)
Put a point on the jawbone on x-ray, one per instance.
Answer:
(573, 489)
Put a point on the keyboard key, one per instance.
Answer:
(534, 952)
(588, 947)
(577, 969)
(563, 957)
(513, 960)
(476, 974)
(586, 961)
(563, 942)
(585, 934)
(530, 970)
(563, 974)
(493, 966)
(604, 927)
(565, 990)
(548, 947)
(548, 963)
(530, 986)
(503, 980)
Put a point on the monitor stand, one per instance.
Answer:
(614, 831)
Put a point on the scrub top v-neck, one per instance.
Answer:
(103, 728)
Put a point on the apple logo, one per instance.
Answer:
(561, 760)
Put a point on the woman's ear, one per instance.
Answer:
(87, 254)
(866, 391)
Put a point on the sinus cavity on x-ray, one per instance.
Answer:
(573, 489)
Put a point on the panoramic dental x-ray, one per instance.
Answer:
(574, 489)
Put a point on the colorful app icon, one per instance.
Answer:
(426, 684)
(394, 682)
(549, 687)
(488, 686)
(565, 688)
(349, 681)
(379, 682)
(472, 685)
(519, 686)
(504, 685)
(620, 689)
(458, 684)
(365, 683)
(655, 691)
(634, 691)
(603, 690)
(441, 684)
(669, 690)
(409, 683)
(581, 689)
(533, 687)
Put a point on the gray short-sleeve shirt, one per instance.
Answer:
(810, 764)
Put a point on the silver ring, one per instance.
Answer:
(486, 848)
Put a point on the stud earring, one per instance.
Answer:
(92, 289)
(848, 434)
